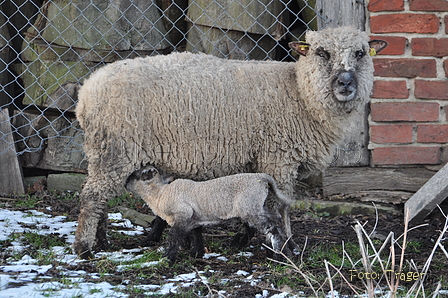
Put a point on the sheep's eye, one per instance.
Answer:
(322, 53)
(359, 54)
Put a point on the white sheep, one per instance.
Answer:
(199, 117)
(187, 205)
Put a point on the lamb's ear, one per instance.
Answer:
(168, 179)
(376, 46)
(148, 173)
(300, 47)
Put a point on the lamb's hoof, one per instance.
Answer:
(197, 252)
(148, 242)
(171, 256)
(240, 240)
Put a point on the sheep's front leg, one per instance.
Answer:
(92, 219)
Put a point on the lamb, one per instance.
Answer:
(199, 117)
(187, 205)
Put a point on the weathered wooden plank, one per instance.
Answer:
(11, 178)
(230, 44)
(426, 199)
(380, 196)
(118, 25)
(357, 179)
(352, 151)
(5, 58)
(43, 78)
(253, 16)
(338, 13)
(61, 151)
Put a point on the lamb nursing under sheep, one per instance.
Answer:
(187, 205)
(199, 117)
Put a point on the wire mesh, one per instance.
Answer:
(47, 49)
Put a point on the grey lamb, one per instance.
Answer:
(187, 205)
(199, 117)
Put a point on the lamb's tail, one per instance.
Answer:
(279, 194)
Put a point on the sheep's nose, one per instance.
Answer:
(345, 79)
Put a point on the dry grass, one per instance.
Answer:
(381, 274)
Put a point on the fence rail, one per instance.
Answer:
(47, 49)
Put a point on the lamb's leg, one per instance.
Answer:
(284, 212)
(176, 238)
(242, 238)
(197, 243)
(154, 236)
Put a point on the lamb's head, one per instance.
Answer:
(337, 63)
(142, 178)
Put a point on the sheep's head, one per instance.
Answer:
(337, 61)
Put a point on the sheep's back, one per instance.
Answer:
(190, 114)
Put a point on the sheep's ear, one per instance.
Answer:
(300, 47)
(376, 46)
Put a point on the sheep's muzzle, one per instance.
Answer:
(345, 86)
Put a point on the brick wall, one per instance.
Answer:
(409, 106)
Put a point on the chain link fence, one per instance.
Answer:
(47, 49)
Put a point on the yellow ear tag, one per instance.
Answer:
(372, 52)
(303, 47)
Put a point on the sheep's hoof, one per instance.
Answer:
(86, 255)
(83, 251)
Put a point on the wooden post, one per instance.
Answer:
(5, 59)
(426, 199)
(11, 178)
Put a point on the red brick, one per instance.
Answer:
(390, 89)
(445, 67)
(396, 45)
(405, 68)
(429, 47)
(446, 24)
(432, 133)
(404, 23)
(429, 5)
(406, 155)
(393, 133)
(431, 89)
(386, 5)
(405, 111)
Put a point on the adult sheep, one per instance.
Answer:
(199, 117)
